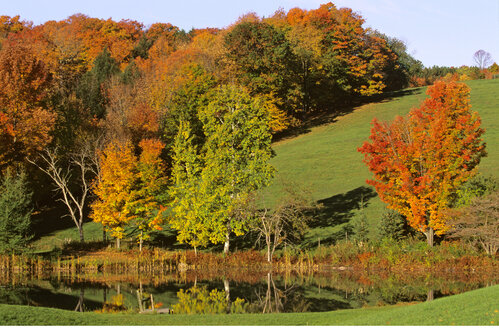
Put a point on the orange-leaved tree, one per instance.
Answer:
(25, 121)
(419, 161)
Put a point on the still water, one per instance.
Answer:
(223, 292)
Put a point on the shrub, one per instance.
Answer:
(477, 186)
(479, 222)
(393, 226)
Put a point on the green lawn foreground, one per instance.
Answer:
(478, 307)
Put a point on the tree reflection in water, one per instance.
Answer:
(239, 291)
(196, 300)
(275, 300)
(80, 307)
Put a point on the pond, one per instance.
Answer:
(229, 292)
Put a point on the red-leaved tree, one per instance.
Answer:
(419, 161)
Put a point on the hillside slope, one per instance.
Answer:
(326, 162)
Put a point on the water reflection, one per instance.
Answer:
(200, 300)
(228, 292)
(80, 306)
(275, 299)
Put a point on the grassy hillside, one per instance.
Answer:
(478, 307)
(325, 161)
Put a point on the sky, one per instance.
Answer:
(437, 32)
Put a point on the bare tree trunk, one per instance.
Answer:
(104, 294)
(269, 255)
(430, 234)
(227, 241)
(267, 308)
(430, 295)
(80, 230)
(117, 243)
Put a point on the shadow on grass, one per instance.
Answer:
(337, 212)
(49, 220)
(339, 208)
(318, 118)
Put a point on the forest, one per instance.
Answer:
(143, 129)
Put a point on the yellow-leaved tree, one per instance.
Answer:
(130, 190)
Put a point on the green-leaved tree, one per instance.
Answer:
(188, 202)
(237, 154)
(15, 212)
(212, 185)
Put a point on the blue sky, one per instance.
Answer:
(437, 32)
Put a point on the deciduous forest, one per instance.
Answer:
(136, 127)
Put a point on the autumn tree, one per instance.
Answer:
(128, 115)
(93, 35)
(399, 72)
(188, 202)
(353, 60)
(130, 190)
(212, 184)
(10, 25)
(113, 189)
(147, 199)
(494, 68)
(25, 120)
(263, 58)
(420, 161)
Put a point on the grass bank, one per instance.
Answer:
(478, 307)
(408, 255)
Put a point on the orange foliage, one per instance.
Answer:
(165, 30)
(10, 25)
(419, 161)
(89, 36)
(25, 123)
(128, 113)
(364, 55)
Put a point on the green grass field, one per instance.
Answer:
(326, 162)
(478, 307)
